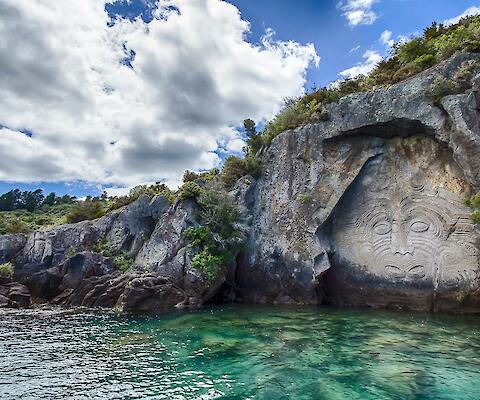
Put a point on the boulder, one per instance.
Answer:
(14, 295)
(10, 246)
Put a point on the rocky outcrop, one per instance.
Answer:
(65, 265)
(365, 209)
(13, 294)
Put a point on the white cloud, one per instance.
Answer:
(358, 12)
(94, 118)
(371, 59)
(386, 38)
(354, 49)
(468, 12)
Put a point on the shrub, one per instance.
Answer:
(137, 191)
(212, 254)
(123, 262)
(253, 166)
(235, 167)
(120, 260)
(217, 237)
(440, 88)
(305, 198)
(16, 226)
(208, 264)
(189, 190)
(103, 247)
(190, 176)
(218, 212)
(474, 204)
(85, 210)
(6, 270)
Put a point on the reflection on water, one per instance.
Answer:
(239, 353)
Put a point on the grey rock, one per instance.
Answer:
(299, 249)
(14, 295)
(167, 238)
(39, 265)
(10, 246)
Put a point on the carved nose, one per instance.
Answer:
(400, 240)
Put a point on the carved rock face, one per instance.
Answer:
(403, 223)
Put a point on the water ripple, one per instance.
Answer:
(239, 353)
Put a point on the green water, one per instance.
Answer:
(239, 353)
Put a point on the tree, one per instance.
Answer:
(32, 200)
(250, 128)
(7, 201)
(50, 199)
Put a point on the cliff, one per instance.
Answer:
(364, 209)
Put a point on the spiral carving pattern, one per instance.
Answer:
(401, 228)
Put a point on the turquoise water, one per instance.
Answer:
(239, 353)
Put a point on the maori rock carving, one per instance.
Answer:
(403, 222)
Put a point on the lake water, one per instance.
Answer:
(238, 352)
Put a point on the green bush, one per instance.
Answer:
(189, 190)
(15, 226)
(235, 167)
(102, 246)
(120, 260)
(208, 264)
(6, 270)
(440, 88)
(123, 262)
(217, 238)
(476, 217)
(474, 204)
(150, 191)
(305, 198)
(190, 176)
(212, 254)
(218, 211)
(85, 210)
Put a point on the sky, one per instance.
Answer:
(104, 95)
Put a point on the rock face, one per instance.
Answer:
(63, 266)
(365, 209)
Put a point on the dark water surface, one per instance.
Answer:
(239, 353)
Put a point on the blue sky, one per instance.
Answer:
(340, 42)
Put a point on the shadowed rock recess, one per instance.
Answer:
(365, 209)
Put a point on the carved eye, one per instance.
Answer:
(382, 227)
(419, 226)
(418, 272)
(394, 271)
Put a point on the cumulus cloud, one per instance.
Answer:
(468, 12)
(358, 12)
(129, 102)
(371, 59)
(386, 38)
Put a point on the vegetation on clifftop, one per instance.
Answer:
(437, 43)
